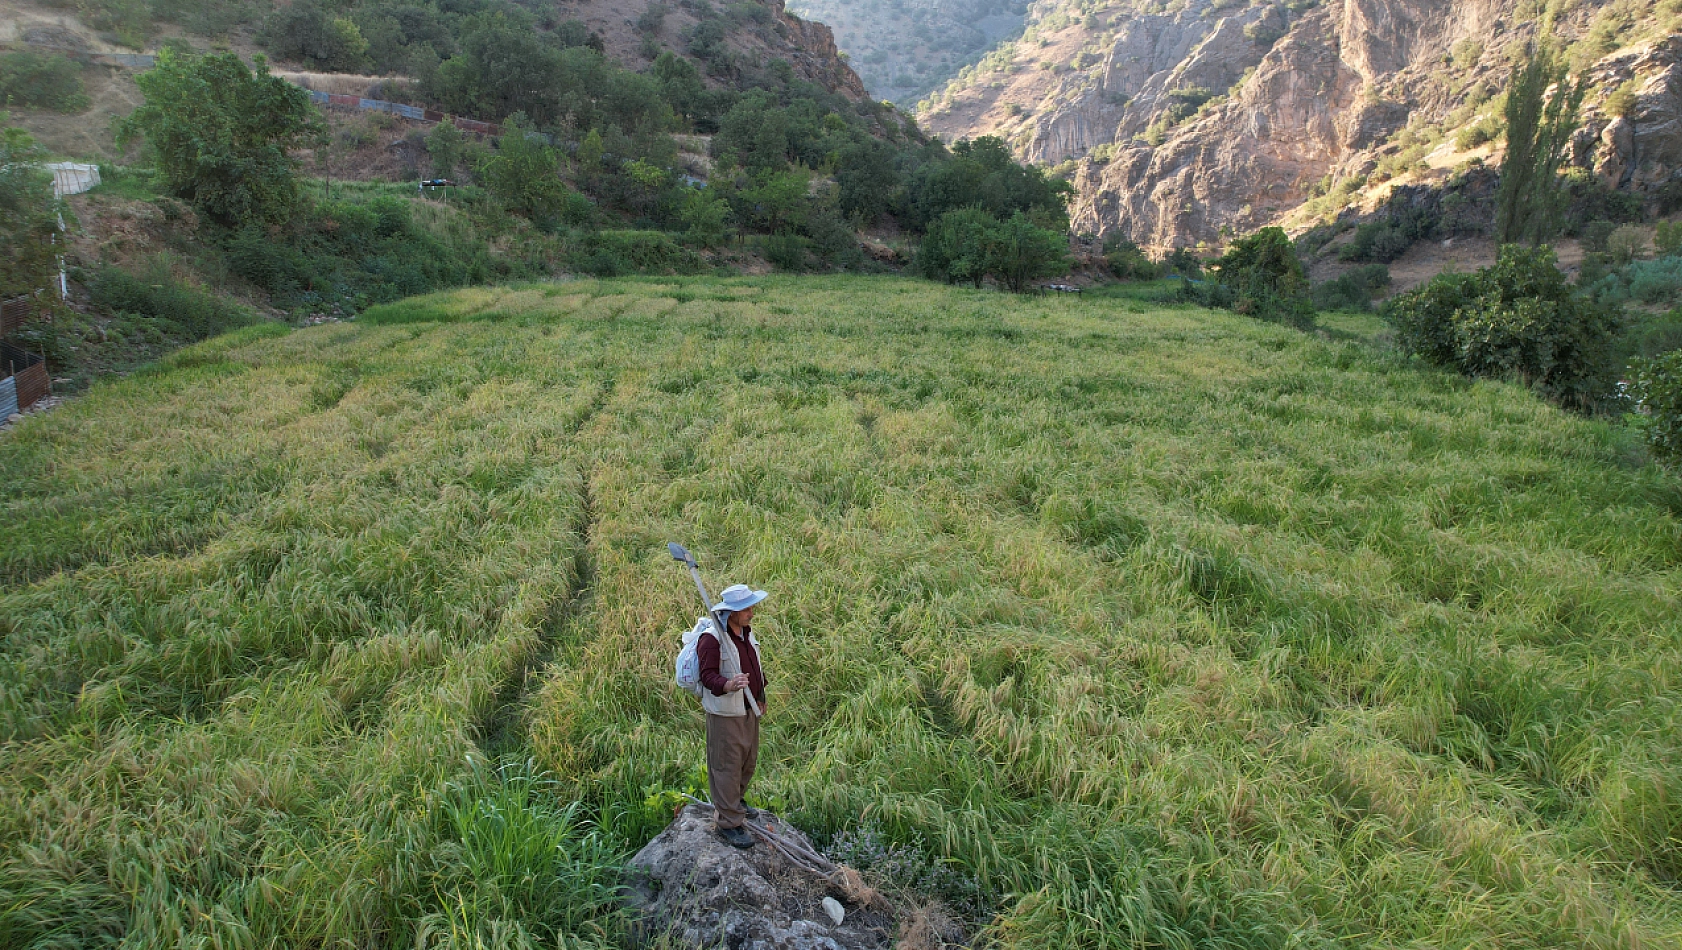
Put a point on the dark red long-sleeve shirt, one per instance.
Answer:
(707, 651)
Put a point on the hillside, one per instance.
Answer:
(1184, 122)
(1166, 627)
(905, 49)
(729, 48)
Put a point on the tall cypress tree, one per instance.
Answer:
(1530, 202)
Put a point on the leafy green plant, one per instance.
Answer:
(1517, 319)
(512, 853)
(36, 80)
(180, 311)
(525, 174)
(1627, 243)
(224, 136)
(1128, 262)
(28, 213)
(1668, 237)
(1530, 202)
(1595, 236)
(1352, 291)
(1657, 390)
(1261, 276)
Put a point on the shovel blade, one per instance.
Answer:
(680, 553)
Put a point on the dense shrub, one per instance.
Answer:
(28, 214)
(1657, 389)
(1260, 276)
(1644, 282)
(346, 255)
(1386, 240)
(1127, 261)
(1518, 319)
(971, 244)
(225, 137)
(34, 80)
(1595, 235)
(180, 311)
(313, 35)
(1352, 291)
(611, 253)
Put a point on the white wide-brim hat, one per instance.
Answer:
(739, 597)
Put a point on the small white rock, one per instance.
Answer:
(15, 418)
(832, 907)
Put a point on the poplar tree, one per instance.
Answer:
(1530, 201)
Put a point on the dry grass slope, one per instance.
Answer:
(1176, 629)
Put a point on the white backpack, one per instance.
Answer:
(688, 663)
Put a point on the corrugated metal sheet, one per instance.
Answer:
(8, 398)
(410, 112)
(318, 97)
(13, 313)
(33, 385)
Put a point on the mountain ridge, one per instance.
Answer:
(1181, 124)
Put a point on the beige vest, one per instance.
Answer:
(729, 664)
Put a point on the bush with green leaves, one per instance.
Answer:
(1260, 276)
(343, 256)
(614, 253)
(1518, 319)
(34, 80)
(224, 136)
(1594, 236)
(970, 244)
(1667, 237)
(181, 312)
(1020, 252)
(955, 248)
(28, 214)
(524, 174)
(314, 35)
(1352, 291)
(706, 218)
(1657, 390)
(1127, 261)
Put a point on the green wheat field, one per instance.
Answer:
(1166, 628)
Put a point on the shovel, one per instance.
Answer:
(680, 553)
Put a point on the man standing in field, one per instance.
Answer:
(730, 670)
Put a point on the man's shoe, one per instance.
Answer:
(755, 814)
(736, 837)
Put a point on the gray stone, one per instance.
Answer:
(690, 885)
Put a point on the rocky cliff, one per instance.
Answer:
(1183, 123)
(758, 30)
(904, 49)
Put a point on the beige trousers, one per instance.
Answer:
(732, 755)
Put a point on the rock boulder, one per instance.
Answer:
(689, 885)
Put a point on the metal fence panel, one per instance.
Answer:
(8, 398)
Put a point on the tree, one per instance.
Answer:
(444, 146)
(41, 81)
(956, 246)
(223, 136)
(867, 178)
(707, 217)
(778, 201)
(307, 33)
(1020, 252)
(1517, 319)
(28, 214)
(525, 174)
(503, 68)
(1530, 202)
(1262, 265)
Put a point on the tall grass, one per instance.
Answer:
(1167, 628)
